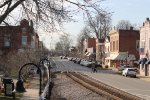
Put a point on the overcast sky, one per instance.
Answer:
(135, 11)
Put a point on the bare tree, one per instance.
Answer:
(84, 34)
(58, 48)
(65, 42)
(124, 24)
(100, 25)
(47, 13)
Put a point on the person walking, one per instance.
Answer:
(94, 66)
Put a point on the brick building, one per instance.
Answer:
(123, 47)
(90, 48)
(17, 38)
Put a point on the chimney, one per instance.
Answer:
(143, 24)
(131, 28)
(147, 19)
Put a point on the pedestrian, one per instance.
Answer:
(94, 67)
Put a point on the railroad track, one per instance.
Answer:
(101, 88)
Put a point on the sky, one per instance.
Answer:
(136, 11)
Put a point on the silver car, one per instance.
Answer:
(129, 72)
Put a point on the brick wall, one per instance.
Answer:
(16, 33)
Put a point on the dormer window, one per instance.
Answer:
(24, 30)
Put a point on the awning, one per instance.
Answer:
(131, 57)
(86, 53)
(136, 62)
(112, 56)
(89, 54)
(147, 62)
(143, 61)
(121, 57)
(140, 61)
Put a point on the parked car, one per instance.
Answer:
(74, 60)
(82, 62)
(122, 67)
(70, 58)
(87, 63)
(78, 60)
(61, 57)
(129, 72)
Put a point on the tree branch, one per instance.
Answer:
(5, 3)
(2, 18)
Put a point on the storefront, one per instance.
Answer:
(144, 66)
(115, 59)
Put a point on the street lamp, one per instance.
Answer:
(127, 58)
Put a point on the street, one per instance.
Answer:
(134, 86)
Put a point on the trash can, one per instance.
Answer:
(8, 86)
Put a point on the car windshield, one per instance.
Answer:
(127, 66)
(131, 69)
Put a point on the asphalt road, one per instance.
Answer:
(134, 86)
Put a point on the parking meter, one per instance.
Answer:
(8, 86)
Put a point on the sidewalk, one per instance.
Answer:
(32, 90)
(145, 78)
(141, 77)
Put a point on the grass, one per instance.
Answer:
(17, 95)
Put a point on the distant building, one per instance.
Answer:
(107, 50)
(123, 47)
(73, 51)
(18, 38)
(90, 48)
(145, 48)
(100, 50)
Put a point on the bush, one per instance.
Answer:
(12, 62)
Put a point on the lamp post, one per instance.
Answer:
(20, 86)
(127, 58)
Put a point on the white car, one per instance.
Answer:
(82, 62)
(85, 63)
(121, 68)
(129, 72)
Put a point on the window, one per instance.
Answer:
(24, 30)
(142, 44)
(7, 40)
(117, 47)
(24, 40)
(113, 46)
(137, 44)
